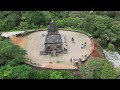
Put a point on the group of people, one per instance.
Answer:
(73, 40)
(65, 48)
(83, 45)
(75, 61)
(85, 55)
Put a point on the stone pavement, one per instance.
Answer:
(35, 44)
(9, 34)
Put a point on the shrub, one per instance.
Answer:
(111, 47)
(98, 69)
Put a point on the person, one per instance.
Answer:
(85, 44)
(73, 63)
(80, 61)
(85, 55)
(72, 39)
(81, 46)
(76, 63)
(65, 49)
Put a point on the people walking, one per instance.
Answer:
(73, 40)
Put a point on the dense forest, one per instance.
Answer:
(104, 26)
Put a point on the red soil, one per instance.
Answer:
(97, 52)
(21, 41)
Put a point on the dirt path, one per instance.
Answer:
(21, 41)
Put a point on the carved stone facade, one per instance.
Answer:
(53, 39)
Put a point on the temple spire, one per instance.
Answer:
(52, 29)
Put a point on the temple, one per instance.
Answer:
(53, 40)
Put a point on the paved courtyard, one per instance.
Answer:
(35, 44)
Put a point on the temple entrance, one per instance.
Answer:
(53, 51)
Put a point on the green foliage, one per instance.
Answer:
(51, 74)
(100, 24)
(36, 18)
(21, 72)
(111, 14)
(99, 40)
(2, 23)
(67, 74)
(26, 72)
(59, 14)
(111, 47)
(12, 21)
(91, 70)
(5, 71)
(70, 22)
(23, 25)
(118, 72)
(39, 74)
(15, 72)
(108, 72)
(56, 75)
(98, 69)
(88, 23)
(10, 54)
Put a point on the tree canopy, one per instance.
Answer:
(98, 69)
(11, 54)
(102, 25)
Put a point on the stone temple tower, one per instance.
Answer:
(53, 39)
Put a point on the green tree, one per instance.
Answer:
(21, 72)
(67, 75)
(51, 74)
(12, 20)
(98, 69)
(5, 71)
(10, 53)
(111, 47)
(108, 72)
(2, 25)
(36, 18)
(115, 28)
(40, 74)
(56, 75)
(15, 72)
(24, 25)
